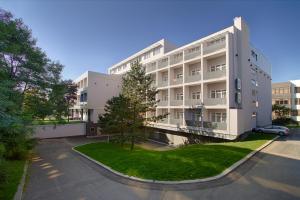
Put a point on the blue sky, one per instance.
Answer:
(93, 35)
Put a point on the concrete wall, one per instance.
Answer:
(61, 130)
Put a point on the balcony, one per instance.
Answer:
(214, 101)
(177, 81)
(162, 84)
(215, 47)
(176, 103)
(150, 67)
(192, 102)
(188, 56)
(215, 74)
(162, 103)
(193, 78)
(176, 121)
(177, 58)
(206, 124)
(162, 63)
(163, 121)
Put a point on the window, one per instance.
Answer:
(179, 96)
(147, 55)
(254, 55)
(165, 78)
(218, 117)
(218, 94)
(254, 92)
(165, 97)
(197, 117)
(195, 49)
(196, 95)
(297, 89)
(253, 71)
(178, 115)
(254, 82)
(297, 101)
(219, 67)
(254, 114)
(156, 51)
(179, 76)
(195, 72)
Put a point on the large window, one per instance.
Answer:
(156, 51)
(147, 55)
(218, 117)
(179, 96)
(196, 95)
(165, 78)
(218, 94)
(179, 76)
(297, 89)
(178, 115)
(195, 71)
(214, 68)
(165, 97)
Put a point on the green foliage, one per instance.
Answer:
(281, 111)
(141, 97)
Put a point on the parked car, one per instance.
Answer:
(279, 130)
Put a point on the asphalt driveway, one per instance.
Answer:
(57, 173)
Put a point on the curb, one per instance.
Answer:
(19, 193)
(224, 173)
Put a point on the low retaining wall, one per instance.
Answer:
(59, 130)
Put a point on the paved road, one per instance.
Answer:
(58, 173)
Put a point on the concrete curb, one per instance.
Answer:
(224, 173)
(19, 193)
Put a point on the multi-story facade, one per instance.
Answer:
(93, 91)
(219, 85)
(288, 94)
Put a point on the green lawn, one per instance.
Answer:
(14, 172)
(189, 162)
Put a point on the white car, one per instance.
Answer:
(279, 130)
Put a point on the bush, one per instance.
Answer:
(284, 121)
(3, 172)
(2, 151)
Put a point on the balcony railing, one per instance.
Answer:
(162, 63)
(176, 103)
(150, 68)
(163, 121)
(177, 81)
(192, 102)
(176, 121)
(192, 78)
(162, 103)
(214, 101)
(213, 48)
(206, 124)
(176, 59)
(162, 84)
(188, 56)
(215, 74)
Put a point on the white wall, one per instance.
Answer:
(61, 130)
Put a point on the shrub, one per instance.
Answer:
(2, 151)
(284, 121)
(3, 172)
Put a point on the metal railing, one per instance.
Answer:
(213, 48)
(176, 121)
(193, 78)
(215, 74)
(192, 102)
(176, 59)
(162, 84)
(207, 124)
(162, 103)
(214, 101)
(188, 56)
(162, 63)
(176, 103)
(177, 81)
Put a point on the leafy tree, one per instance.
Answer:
(141, 95)
(281, 111)
(70, 95)
(116, 118)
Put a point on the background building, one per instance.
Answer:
(94, 89)
(287, 94)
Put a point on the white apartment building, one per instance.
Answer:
(219, 85)
(94, 89)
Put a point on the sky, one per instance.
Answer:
(93, 35)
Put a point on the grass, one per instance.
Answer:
(14, 169)
(188, 162)
(49, 122)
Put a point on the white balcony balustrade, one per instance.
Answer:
(176, 102)
(214, 47)
(214, 101)
(191, 55)
(177, 58)
(192, 78)
(162, 63)
(215, 74)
